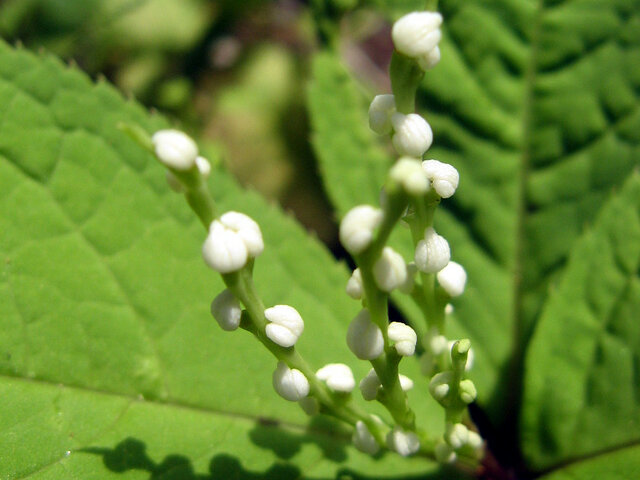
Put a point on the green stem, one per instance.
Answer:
(242, 286)
(201, 202)
(386, 366)
(406, 76)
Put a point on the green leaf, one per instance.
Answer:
(618, 465)
(109, 359)
(581, 386)
(352, 162)
(536, 105)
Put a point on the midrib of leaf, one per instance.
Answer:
(131, 400)
(179, 406)
(520, 338)
(589, 456)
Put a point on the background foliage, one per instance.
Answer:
(110, 365)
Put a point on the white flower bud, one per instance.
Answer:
(204, 167)
(226, 309)
(175, 149)
(285, 325)
(363, 440)
(247, 229)
(439, 385)
(337, 376)
(452, 279)
(309, 405)
(369, 385)
(380, 111)
(407, 286)
(474, 440)
(357, 226)
(404, 443)
(417, 33)
(432, 253)
(448, 309)
(364, 337)
(413, 135)
(290, 384)
(406, 383)
(403, 338)
(470, 356)
(173, 182)
(354, 285)
(438, 344)
(457, 435)
(444, 453)
(430, 60)
(390, 270)
(468, 392)
(409, 173)
(224, 250)
(443, 177)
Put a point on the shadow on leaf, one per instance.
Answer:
(131, 454)
(286, 444)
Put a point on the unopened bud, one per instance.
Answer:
(390, 270)
(338, 377)
(413, 135)
(290, 384)
(430, 60)
(408, 173)
(417, 33)
(204, 167)
(403, 338)
(468, 392)
(224, 250)
(226, 309)
(364, 337)
(363, 440)
(357, 227)
(443, 177)
(175, 149)
(432, 253)
(456, 435)
(439, 385)
(380, 112)
(285, 325)
(452, 279)
(354, 285)
(404, 443)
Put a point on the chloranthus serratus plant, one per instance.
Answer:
(487, 324)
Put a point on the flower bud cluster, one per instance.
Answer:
(232, 240)
(357, 227)
(285, 325)
(363, 440)
(338, 377)
(178, 152)
(290, 384)
(432, 252)
(458, 438)
(364, 337)
(370, 385)
(416, 35)
(403, 442)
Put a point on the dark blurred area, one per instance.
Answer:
(231, 73)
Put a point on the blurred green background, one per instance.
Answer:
(231, 73)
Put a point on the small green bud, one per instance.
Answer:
(468, 391)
